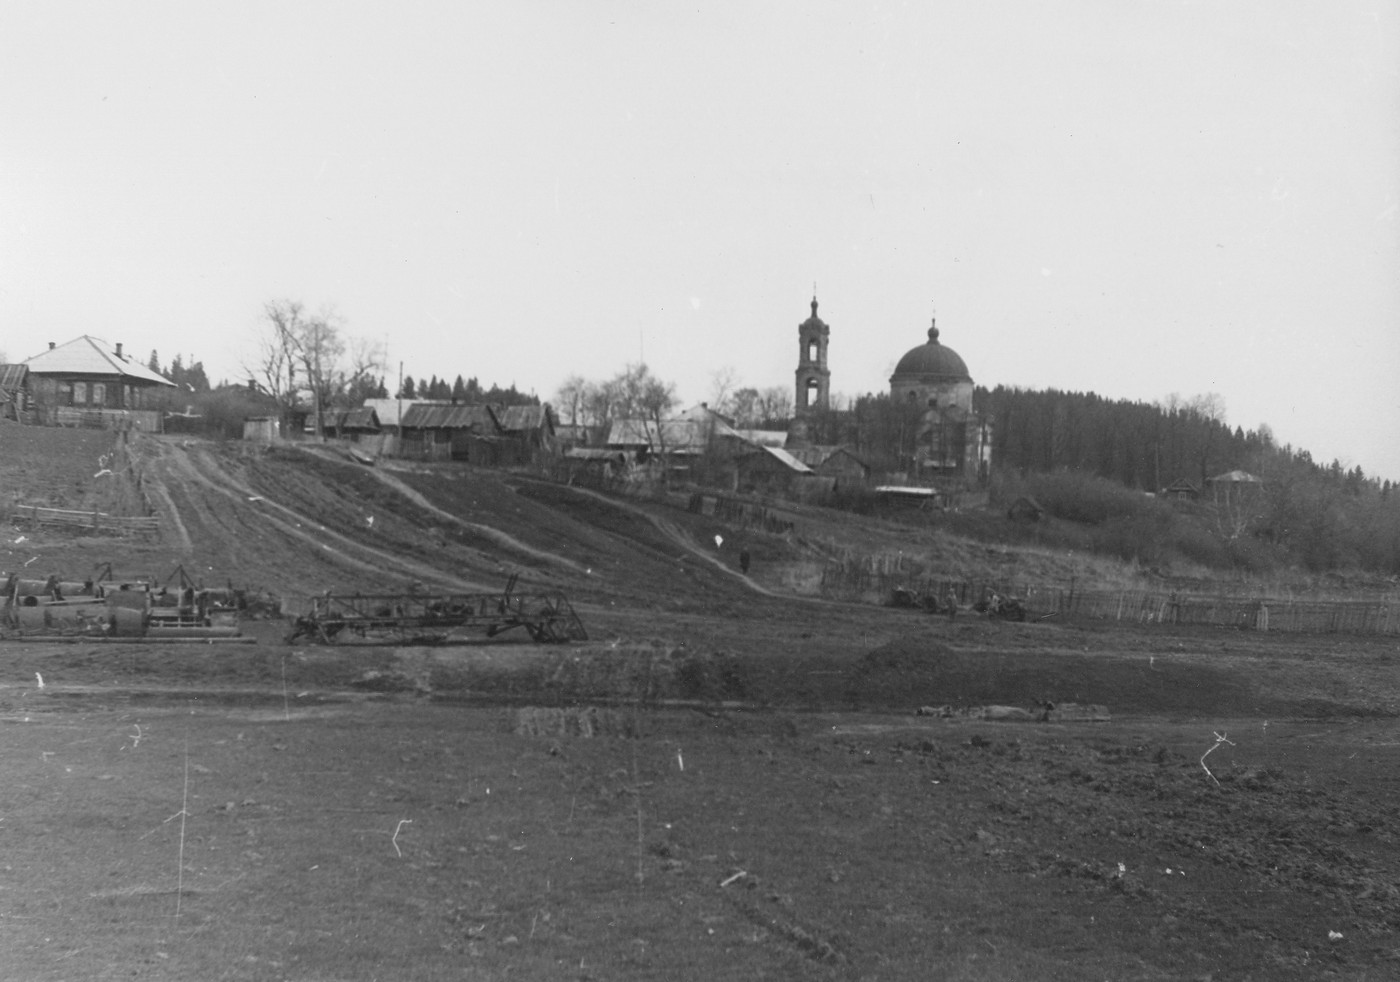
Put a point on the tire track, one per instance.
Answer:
(501, 538)
(194, 467)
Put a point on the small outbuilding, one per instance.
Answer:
(1181, 490)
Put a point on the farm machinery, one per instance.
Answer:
(104, 608)
(430, 618)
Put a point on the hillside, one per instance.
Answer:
(298, 521)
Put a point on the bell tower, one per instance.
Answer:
(813, 377)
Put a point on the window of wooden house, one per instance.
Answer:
(79, 393)
(99, 394)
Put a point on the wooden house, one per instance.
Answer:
(350, 424)
(769, 470)
(1181, 490)
(438, 432)
(528, 432)
(836, 462)
(88, 382)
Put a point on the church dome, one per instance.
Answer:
(932, 360)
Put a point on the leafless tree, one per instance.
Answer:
(569, 399)
(298, 353)
(775, 404)
(723, 383)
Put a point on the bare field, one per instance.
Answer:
(725, 782)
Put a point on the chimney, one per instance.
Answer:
(119, 349)
(50, 345)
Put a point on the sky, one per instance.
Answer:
(1129, 199)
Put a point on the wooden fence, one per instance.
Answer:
(1376, 616)
(90, 521)
(880, 576)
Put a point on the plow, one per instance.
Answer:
(425, 618)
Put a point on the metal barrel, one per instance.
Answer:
(126, 621)
(31, 620)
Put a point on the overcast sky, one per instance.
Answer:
(1131, 199)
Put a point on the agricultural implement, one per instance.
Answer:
(103, 608)
(425, 618)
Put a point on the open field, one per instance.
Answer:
(725, 782)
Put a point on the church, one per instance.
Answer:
(950, 443)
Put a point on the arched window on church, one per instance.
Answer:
(812, 350)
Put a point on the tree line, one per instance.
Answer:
(467, 392)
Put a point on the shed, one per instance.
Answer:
(1181, 490)
(12, 391)
(260, 429)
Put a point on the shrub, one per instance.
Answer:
(1091, 500)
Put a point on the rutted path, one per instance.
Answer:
(487, 531)
(196, 475)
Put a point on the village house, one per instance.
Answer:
(350, 424)
(838, 463)
(528, 433)
(445, 432)
(770, 470)
(88, 382)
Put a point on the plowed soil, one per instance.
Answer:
(727, 780)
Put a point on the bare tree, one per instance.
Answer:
(274, 364)
(745, 407)
(775, 404)
(299, 353)
(723, 382)
(571, 398)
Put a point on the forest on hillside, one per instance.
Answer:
(1090, 460)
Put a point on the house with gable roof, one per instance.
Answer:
(88, 382)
